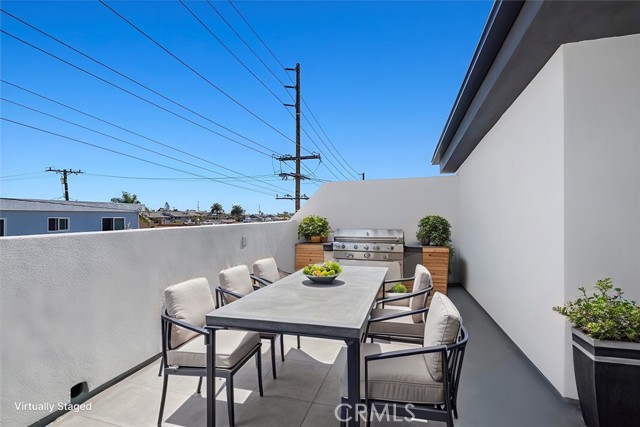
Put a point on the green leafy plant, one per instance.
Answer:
(313, 225)
(434, 230)
(602, 315)
(398, 289)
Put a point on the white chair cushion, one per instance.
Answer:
(189, 301)
(401, 326)
(266, 269)
(231, 347)
(404, 379)
(236, 279)
(421, 281)
(441, 328)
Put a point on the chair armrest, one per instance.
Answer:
(403, 279)
(220, 291)
(403, 353)
(262, 282)
(397, 315)
(405, 296)
(184, 324)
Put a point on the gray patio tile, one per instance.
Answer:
(321, 416)
(298, 380)
(73, 419)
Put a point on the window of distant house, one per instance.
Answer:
(3, 222)
(58, 224)
(110, 224)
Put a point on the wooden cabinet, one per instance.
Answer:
(436, 259)
(308, 253)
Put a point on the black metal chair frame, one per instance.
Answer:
(220, 302)
(386, 282)
(399, 337)
(452, 358)
(226, 373)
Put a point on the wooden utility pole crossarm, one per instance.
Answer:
(65, 173)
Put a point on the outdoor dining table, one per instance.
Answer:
(295, 305)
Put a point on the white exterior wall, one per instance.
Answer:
(602, 167)
(86, 306)
(550, 199)
(391, 203)
(512, 223)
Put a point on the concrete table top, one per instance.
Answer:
(295, 305)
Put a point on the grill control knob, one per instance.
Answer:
(391, 247)
(366, 247)
(349, 255)
(343, 246)
(355, 246)
(384, 256)
(367, 255)
(377, 248)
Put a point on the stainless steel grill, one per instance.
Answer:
(369, 246)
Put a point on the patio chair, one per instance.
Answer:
(426, 377)
(402, 318)
(184, 341)
(267, 269)
(235, 283)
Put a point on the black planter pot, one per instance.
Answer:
(608, 381)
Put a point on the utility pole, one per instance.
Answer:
(65, 173)
(297, 175)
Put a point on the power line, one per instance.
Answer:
(245, 43)
(231, 52)
(137, 145)
(123, 154)
(169, 178)
(194, 70)
(137, 83)
(282, 65)
(114, 125)
(327, 136)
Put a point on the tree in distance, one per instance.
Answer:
(217, 209)
(237, 212)
(126, 198)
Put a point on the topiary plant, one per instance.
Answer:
(603, 316)
(398, 289)
(313, 225)
(434, 230)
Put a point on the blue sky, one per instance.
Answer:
(380, 78)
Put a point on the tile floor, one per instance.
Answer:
(499, 388)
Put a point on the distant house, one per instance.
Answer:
(21, 217)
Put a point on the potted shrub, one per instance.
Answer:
(606, 355)
(434, 230)
(314, 228)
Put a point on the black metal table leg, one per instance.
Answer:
(353, 381)
(211, 378)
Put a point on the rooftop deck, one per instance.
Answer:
(499, 387)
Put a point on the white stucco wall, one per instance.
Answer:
(511, 237)
(550, 199)
(86, 306)
(389, 203)
(602, 167)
